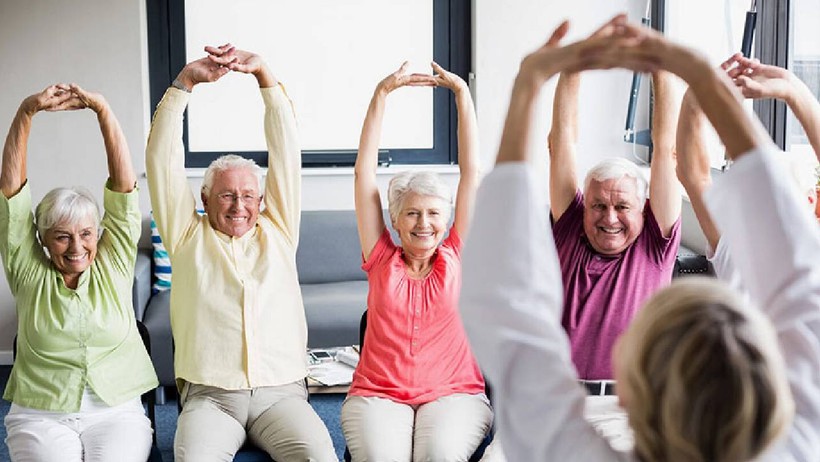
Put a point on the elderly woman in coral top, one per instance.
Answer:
(417, 393)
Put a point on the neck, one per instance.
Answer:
(418, 262)
(71, 280)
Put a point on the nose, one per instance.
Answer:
(611, 216)
(75, 246)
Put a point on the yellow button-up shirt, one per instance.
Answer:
(70, 338)
(236, 307)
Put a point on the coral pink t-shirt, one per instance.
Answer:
(416, 349)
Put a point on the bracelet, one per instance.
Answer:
(180, 86)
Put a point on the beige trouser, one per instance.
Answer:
(121, 433)
(214, 423)
(447, 429)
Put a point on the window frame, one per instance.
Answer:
(452, 49)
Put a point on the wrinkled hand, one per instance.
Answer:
(83, 99)
(234, 59)
(603, 49)
(200, 71)
(400, 78)
(57, 97)
(756, 80)
(447, 79)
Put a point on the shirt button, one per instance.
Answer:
(415, 327)
(414, 343)
(418, 311)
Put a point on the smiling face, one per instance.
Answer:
(72, 247)
(421, 223)
(232, 203)
(613, 216)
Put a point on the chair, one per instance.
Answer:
(148, 397)
(488, 438)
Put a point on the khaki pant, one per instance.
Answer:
(447, 429)
(214, 424)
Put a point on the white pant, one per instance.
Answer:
(447, 429)
(215, 423)
(121, 433)
(604, 413)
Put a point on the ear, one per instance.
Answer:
(204, 200)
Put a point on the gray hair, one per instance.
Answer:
(229, 162)
(66, 206)
(616, 168)
(422, 183)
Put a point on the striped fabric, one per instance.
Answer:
(162, 265)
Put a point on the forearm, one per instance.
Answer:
(518, 126)
(564, 130)
(806, 108)
(13, 175)
(468, 162)
(367, 158)
(120, 167)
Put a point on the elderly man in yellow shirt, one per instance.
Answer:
(236, 310)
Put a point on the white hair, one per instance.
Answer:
(422, 183)
(229, 162)
(616, 168)
(66, 206)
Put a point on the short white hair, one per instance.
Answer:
(422, 183)
(66, 206)
(229, 162)
(616, 168)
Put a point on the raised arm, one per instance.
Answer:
(56, 97)
(283, 182)
(120, 168)
(757, 80)
(664, 192)
(368, 201)
(693, 167)
(468, 164)
(173, 203)
(563, 139)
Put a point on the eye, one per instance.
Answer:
(434, 212)
(61, 238)
(86, 234)
(622, 208)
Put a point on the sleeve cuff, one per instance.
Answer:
(18, 204)
(113, 200)
(274, 96)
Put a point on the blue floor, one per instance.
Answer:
(327, 406)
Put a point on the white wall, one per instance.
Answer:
(101, 45)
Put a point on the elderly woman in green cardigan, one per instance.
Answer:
(81, 366)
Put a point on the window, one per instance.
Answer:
(344, 47)
(804, 62)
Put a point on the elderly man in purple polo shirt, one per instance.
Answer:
(616, 247)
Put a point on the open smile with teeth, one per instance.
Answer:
(76, 258)
(423, 235)
(613, 231)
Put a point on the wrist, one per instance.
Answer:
(180, 84)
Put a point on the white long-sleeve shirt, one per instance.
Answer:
(511, 307)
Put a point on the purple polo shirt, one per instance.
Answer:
(602, 293)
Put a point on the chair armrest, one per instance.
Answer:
(141, 291)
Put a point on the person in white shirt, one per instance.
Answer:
(702, 374)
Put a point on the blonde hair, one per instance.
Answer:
(422, 183)
(703, 377)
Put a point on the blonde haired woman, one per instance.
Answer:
(702, 375)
